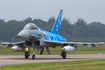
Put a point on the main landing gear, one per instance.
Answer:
(63, 54)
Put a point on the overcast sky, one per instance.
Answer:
(90, 10)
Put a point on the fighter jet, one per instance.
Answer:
(34, 37)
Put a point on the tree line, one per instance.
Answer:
(77, 31)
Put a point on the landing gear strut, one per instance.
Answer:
(48, 51)
(42, 49)
(33, 56)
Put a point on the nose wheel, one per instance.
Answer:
(27, 55)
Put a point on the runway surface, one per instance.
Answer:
(19, 59)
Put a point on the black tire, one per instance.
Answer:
(26, 55)
(33, 56)
(64, 55)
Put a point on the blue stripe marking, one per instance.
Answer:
(52, 37)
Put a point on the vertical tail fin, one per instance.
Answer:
(57, 24)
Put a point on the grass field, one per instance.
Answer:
(72, 65)
(56, 51)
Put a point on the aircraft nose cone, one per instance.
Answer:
(23, 34)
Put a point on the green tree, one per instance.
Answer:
(28, 20)
(80, 28)
(95, 29)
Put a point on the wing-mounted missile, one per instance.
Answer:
(10, 45)
(69, 48)
(92, 45)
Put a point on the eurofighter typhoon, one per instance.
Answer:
(34, 37)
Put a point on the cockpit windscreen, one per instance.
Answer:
(30, 26)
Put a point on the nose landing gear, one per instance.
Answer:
(33, 56)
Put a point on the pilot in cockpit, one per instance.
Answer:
(30, 26)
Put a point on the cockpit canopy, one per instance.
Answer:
(30, 26)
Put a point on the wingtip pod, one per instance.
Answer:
(101, 43)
